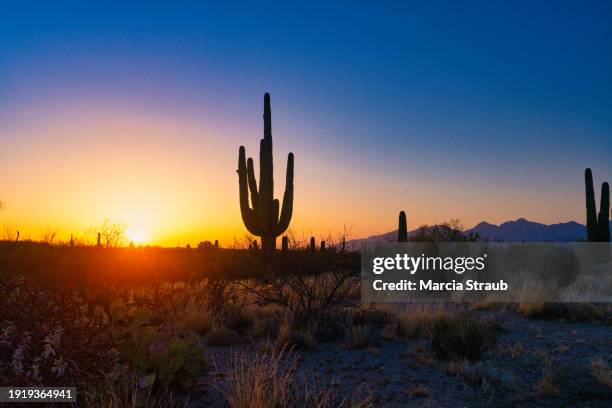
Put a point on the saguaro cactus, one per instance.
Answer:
(402, 228)
(261, 217)
(598, 227)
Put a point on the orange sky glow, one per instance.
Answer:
(173, 182)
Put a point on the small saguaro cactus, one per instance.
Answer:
(322, 246)
(217, 243)
(71, 240)
(99, 242)
(285, 244)
(261, 218)
(402, 228)
(313, 246)
(598, 227)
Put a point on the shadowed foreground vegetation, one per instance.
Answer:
(213, 327)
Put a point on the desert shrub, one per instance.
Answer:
(574, 312)
(548, 385)
(304, 298)
(358, 337)
(419, 391)
(167, 354)
(197, 318)
(265, 320)
(289, 336)
(483, 376)
(462, 336)
(390, 331)
(417, 320)
(51, 338)
(601, 371)
(223, 336)
(332, 324)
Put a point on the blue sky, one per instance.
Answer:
(472, 96)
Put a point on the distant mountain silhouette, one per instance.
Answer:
(529, 231)
(520, 230)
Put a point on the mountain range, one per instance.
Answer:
(520, 230)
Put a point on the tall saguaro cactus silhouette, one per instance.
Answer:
(261, 217)
(598, 227)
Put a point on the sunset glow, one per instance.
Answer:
(136, 235)
(104, 125)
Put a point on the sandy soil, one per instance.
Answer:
(391, 372)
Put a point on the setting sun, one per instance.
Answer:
(136, 234)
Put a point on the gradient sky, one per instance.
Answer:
(478, 111)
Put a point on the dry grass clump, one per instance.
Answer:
(358, 337)
(266, 320)
(462, 336)
(390, 330)
(419, 391)
(127, 393)
(197, 318)
(418, 319)
(223, 336)
(601, 372)
(546, 386)
(269, 380)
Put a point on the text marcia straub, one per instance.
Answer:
(468, 285)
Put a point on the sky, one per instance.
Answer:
(481, 111)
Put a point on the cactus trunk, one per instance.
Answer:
(604, 214)
(598, 224)
(402, 228)
(262, 216)
(591, 212)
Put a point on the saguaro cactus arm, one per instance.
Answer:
(287, 210)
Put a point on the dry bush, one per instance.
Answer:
(300, 338)
(223, 336)
(601, 372)
(419, 391)
(266, 320)
(419, 318)
(390, 330)
(197, 318)
(307, 300)
(483, 376)
(462, 336)
(269, 380)
(51, 338)
(358, 337)
(547, 387)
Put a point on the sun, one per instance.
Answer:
(136, 234)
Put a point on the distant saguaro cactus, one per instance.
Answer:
(598, 227)
(313, 245)
(262, 217)
(322, 246)
(217, 243)
(285, 244)
(99, 244)
(402, 228)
